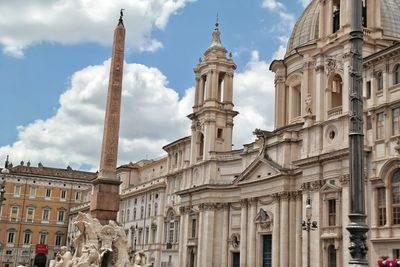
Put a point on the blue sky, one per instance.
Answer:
(45, 45)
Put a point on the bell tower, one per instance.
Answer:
(212, 117)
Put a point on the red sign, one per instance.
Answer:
(41, 249)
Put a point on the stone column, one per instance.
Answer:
(209, 235)
(322, 19)
(197, 92)
(276, 232)
(184, 228)
(280, 101)
(104, 204)
(292, 229)
(226, 98)
(201, 91)
(320, 110)
(243, 234)
(284, 231)
(251, 240)
(200, 250)
(209, 85)
(215, 85)
(225, 232)
(193, 144)
(299, 230)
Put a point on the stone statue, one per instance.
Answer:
(98, 245)
(63, 258)
(308, 102)
(139, 260)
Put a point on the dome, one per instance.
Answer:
(390, 10)
(306, 29)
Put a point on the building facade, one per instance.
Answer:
(34, 216)
(222, 207)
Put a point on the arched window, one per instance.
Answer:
(172, 227)
(134, 213)
(395, 190)
(397, 74)
(201, 145)
(331, 256)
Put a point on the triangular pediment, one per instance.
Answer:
(260, 169)
(329, 187)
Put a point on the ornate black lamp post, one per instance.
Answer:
(308, 226)
(357, 227)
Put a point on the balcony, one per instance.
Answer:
(334, 112)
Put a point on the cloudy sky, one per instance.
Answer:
(54, 65)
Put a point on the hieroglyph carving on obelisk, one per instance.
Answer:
(105, 200)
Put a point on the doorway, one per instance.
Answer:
(267, 250)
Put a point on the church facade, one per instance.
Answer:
(205, 204)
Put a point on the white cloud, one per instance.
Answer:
(273, 4)
(152, 115)
(26, 23)
(254, 99)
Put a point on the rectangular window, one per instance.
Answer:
(368, 93)
(381, 206)
(147, 235)
(17, 190)
(332, 212)
(194, 225)
(219, 133)
(46, 215)
(32, 192)
(396, 215)
(63, 195)
(149, 210)
(154, 233)
(14, 214)
(58, 240)
(380, 125)
(60, 216)
(43, 239)
(396, 121)
(11, 236)
(77, 196)
(27, 238)
(30, 214)
(48, 193)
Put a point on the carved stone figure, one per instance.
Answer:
(63, 258)
(308, 102)
(97, 245)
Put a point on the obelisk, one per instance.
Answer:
(104, 204)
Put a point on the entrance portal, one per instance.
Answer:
(267, 250)
(40, 260)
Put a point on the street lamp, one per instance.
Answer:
(309, 226)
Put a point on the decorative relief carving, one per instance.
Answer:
(312, 186)
(279, 79)
(264, 220)
(344, 179)
(235, 240)
(397, 146)
(333, 65)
